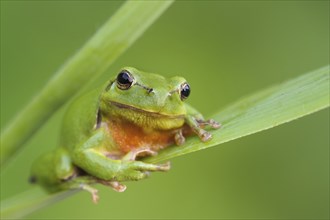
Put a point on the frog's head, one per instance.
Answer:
(147, 93)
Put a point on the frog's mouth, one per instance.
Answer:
(144, 112)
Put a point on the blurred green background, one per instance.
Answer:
(225, 50)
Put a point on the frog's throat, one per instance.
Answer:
(153, 114)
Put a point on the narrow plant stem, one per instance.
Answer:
(110, 41)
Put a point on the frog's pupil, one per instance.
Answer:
(124, 78)
(185, 91)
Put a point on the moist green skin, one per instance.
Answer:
(152, 103)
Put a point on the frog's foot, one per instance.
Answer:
(133, 154)
(93, 191)
(115, 185)
(202, 134)
(179, 138)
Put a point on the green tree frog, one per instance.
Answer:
(108, 130)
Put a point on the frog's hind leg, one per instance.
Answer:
(64, 167)
(51, 169)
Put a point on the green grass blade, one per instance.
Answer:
(110, 41)
(263, 110)
(30, 201)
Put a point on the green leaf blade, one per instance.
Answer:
(263, 110)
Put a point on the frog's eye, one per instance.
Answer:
(184, 91)
(124, 80)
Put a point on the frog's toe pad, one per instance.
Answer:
(164, 167)
(214, 124)
(205, 136)
(117, 186)
(95, 197)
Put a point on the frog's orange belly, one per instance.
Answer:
(128, 136)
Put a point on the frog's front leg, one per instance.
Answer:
(196, 122)
(90, 157)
